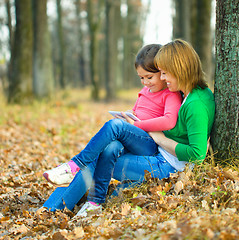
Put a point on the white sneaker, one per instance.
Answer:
(59, 176)
(88, 208)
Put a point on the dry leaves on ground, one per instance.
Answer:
(198, 204)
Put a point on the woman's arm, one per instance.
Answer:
(166, 143)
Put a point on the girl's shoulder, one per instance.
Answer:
(169, 93)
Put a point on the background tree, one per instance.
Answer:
(202, 40)
(192, 22)
(20, 85)
(182, 19)
(43, 82)
(132, 41)
(94, 17)
(226, 130)
(81, 48)
(61, 46)
(9, 22)
(112, 35)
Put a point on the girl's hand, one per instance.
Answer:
(128, 119)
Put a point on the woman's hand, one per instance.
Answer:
(166, 143)
(158, 137)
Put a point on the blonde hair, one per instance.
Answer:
(181, 60)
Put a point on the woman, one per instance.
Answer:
(181, 68)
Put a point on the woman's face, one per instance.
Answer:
(170, 80)
(151, 80)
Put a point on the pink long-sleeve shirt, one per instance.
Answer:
(157, 111)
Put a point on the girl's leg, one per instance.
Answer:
(69, 196)
(104, 170)
(98, 174)
(132, 138)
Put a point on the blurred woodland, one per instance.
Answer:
(58, 60)
(58, 44)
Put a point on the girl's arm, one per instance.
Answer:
(168, 120)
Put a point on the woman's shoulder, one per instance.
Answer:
(201, 95)
(200, 99)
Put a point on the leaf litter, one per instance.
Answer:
(202, 203)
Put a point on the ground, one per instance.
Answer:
(198, 204)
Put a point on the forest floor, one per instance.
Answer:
(198, 204)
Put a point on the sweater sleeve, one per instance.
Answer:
(168, 120)
(197, 129)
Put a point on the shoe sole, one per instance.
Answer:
(45, 175)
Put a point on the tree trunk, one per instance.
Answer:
(112, 35)
(9, 23)
(81, 46)
(10, 42)
(225, 130)
(132, 42)
(182, 20)
(20, 87)
(192, 22)
(43, 83)
(203, 37)
(94, 21)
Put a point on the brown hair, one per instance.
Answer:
(145, 57)
(181, 60)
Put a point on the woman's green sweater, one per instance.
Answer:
(193, 127)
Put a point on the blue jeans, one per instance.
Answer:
(133, 140)
(119, 150)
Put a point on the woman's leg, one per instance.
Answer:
(131, 167)
(134, 139)
(125, 166)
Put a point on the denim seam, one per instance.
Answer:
(79, 162)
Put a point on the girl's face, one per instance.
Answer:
(151, 80)
(170, 80)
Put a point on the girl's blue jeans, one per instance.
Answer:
(119, 150)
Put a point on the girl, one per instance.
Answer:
(157, 108)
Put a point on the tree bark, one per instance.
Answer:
(225, 130)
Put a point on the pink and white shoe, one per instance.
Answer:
(89, 208)
(60, 176)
